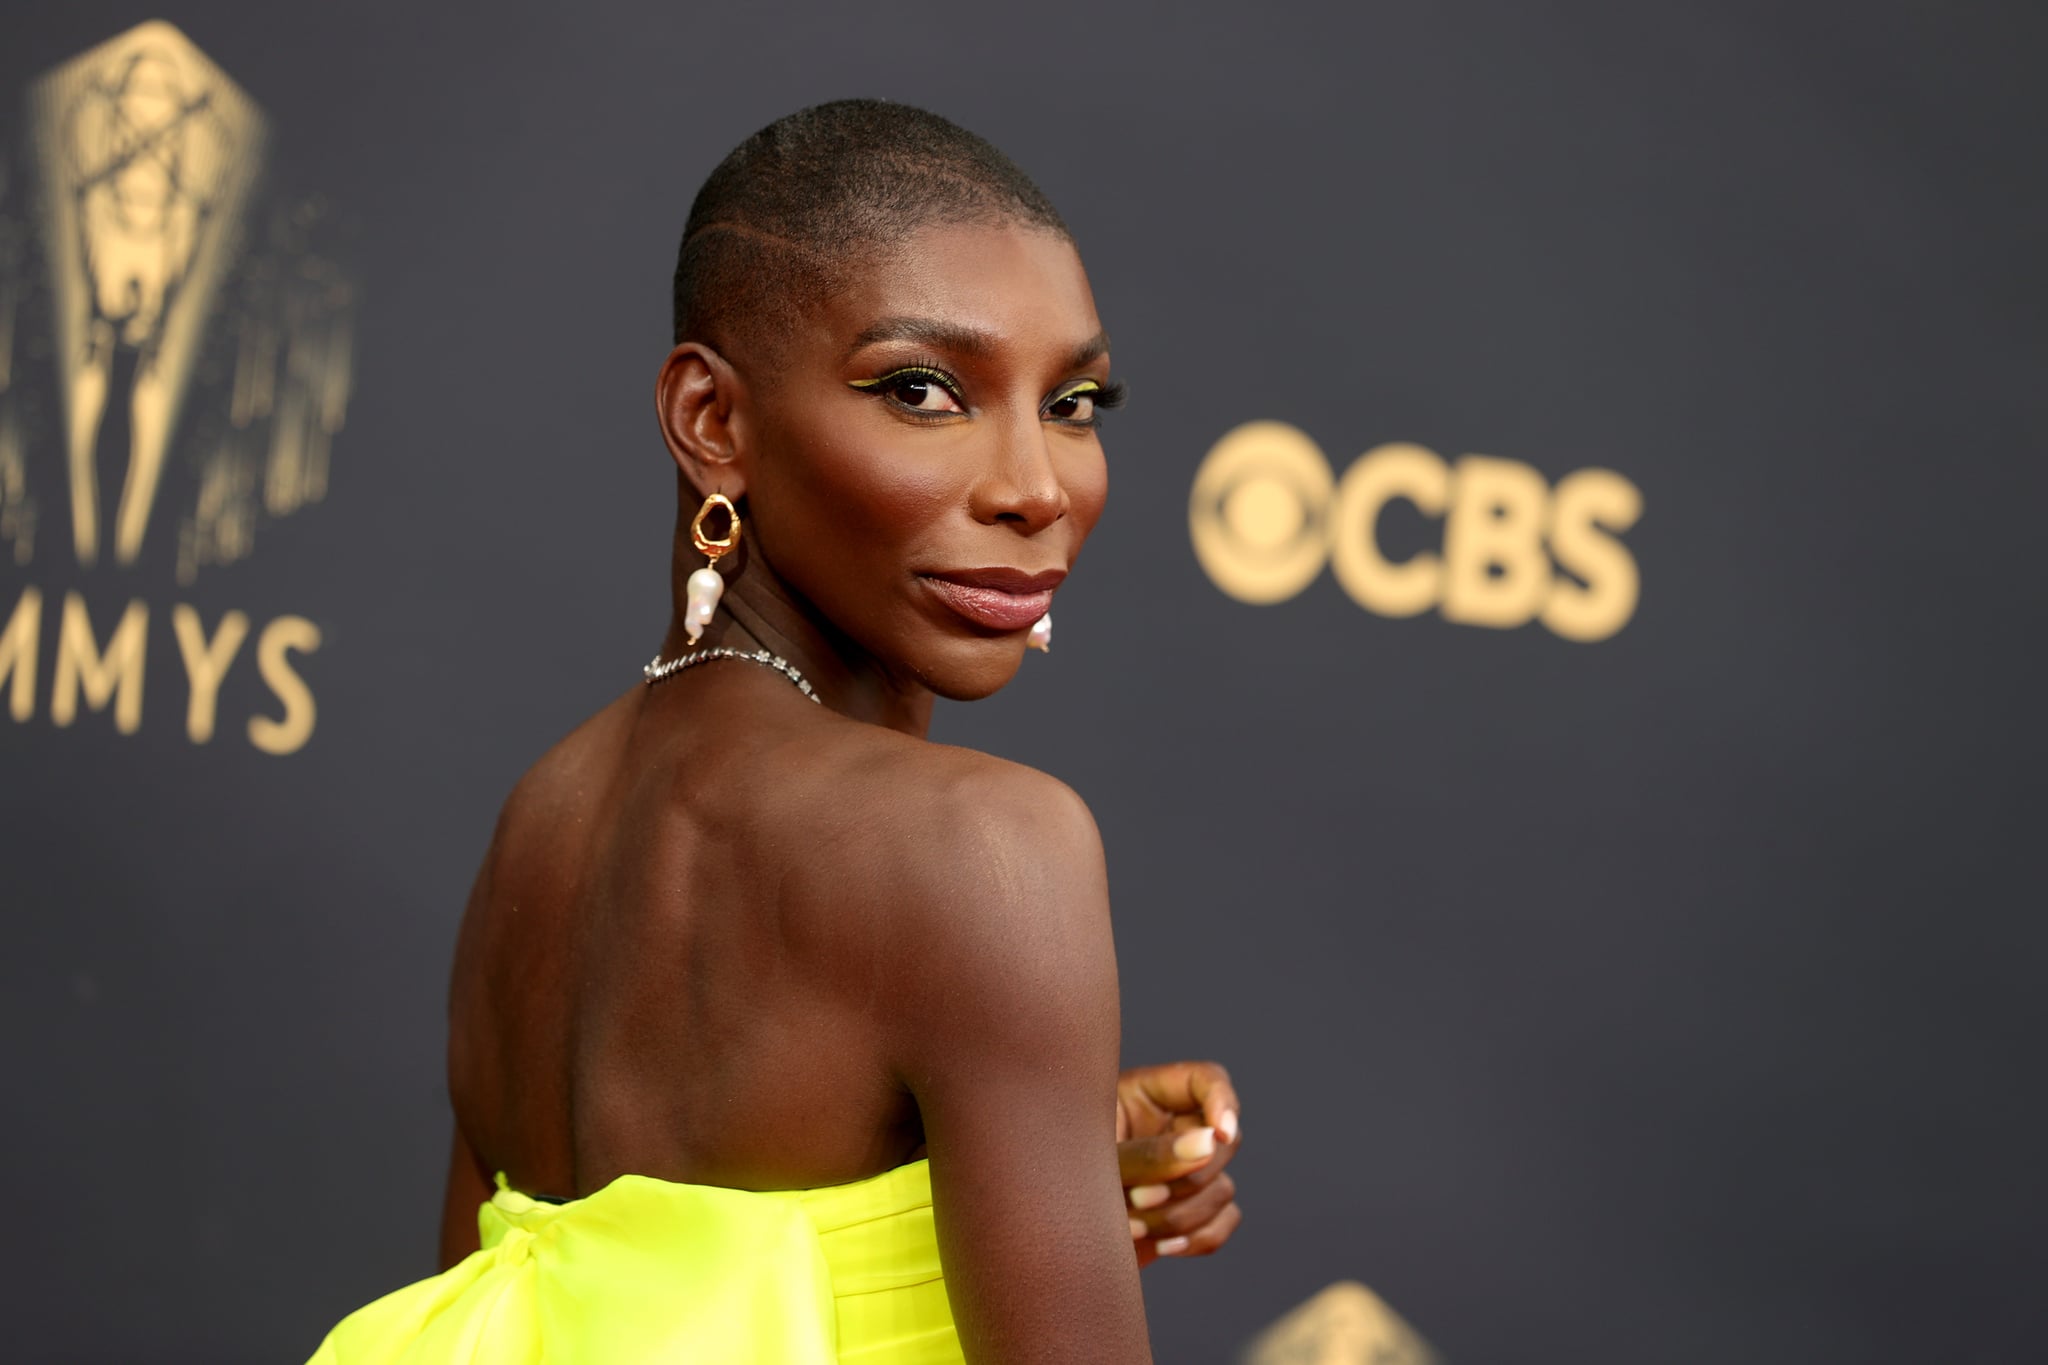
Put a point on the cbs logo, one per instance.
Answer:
(1266, 513)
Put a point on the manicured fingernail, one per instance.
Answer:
(1149, 1196)
(1137, 1230)
(1172, 1246)
(1228, 1123)
(1196, 1142)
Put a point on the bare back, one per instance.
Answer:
(724, 936)
(670, 964)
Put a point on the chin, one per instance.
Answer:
(968, 670)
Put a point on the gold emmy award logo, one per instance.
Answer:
(1267, 513)
(148, 154)
(183, 313)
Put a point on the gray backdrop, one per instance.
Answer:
(1671, 997)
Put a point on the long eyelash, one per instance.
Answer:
(1104, 396)
(880, 383)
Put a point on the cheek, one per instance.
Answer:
(832, 501)
(1085, 475)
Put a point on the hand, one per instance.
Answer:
(1176, 1129)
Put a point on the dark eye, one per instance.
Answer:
(921, 392)
(1078, 406)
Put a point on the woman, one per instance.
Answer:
(786, 1008)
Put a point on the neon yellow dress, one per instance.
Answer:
(651, 1270)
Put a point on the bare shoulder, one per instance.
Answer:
(564, 776)
(978, 817)
(940, 827)
(986, 896)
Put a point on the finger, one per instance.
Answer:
(1215, 1099)
(1204, 1173)
(1220, 1107)
(1165, 1156)
(1153, 1095)
(1206, 1239)
(1159, 1159)
(1185, 1087)
(1189, 1213)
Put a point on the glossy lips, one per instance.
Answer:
(996, 599)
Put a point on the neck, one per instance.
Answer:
(760, 611)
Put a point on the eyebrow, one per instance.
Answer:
(957, 337)
(1097, 345)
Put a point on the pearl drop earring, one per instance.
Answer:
(1040, 637)
(706, 586)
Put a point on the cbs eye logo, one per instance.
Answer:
(1266, 513)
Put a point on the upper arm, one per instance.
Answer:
(1006, 1032)
(469, 1179)
(468, 1187)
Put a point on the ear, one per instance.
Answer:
(696, 397)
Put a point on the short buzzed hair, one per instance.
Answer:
(795, 207)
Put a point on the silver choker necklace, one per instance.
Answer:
(656, 669)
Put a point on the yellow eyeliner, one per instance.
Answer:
(919, 370)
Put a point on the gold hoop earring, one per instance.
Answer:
(706, 586)
(714, 550)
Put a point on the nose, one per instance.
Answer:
(1020, 485)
